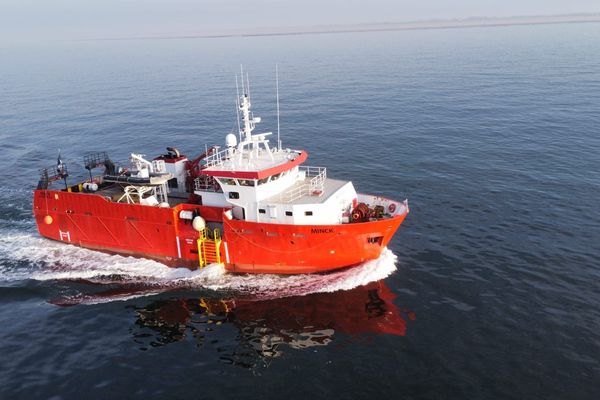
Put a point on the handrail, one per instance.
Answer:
(216, 158)
(206, 184)
(316, 177)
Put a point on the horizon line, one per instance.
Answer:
(456, 23)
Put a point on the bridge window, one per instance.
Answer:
(228, 181)
(274, 177)
(234, 195)
(246, 182)
(263, 181)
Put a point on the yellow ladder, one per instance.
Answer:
(208, 249)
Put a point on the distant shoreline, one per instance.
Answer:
(377, 27)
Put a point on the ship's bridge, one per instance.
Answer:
(252, 177)
(250, 172)
(254, 163)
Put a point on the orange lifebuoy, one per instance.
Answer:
(392, 208)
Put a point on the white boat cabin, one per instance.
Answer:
(270, 184)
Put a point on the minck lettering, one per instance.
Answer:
(321, 230)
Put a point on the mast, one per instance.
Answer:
(237, 111)
(248, 125)
(277, 85)
(245, 109)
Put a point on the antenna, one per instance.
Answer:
(277, 85)
(237, 107)
(237, 113)
(242, 77)
(248, 84)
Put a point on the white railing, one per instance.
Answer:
(391, 207)
(294, 193)
(206, 184)
(217, 158)
(313, 185)
(317, 177)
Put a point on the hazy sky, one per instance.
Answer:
(76, 19)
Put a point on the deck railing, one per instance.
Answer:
(206, 184)
(317, 176)
(216, 158)
(313, 185)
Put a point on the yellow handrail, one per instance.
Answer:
(203, 239)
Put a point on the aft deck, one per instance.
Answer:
(114, 192)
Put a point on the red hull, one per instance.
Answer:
(294, 249)
(91, 221)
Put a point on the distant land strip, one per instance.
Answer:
(478, 22)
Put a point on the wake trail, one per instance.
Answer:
(25, 256)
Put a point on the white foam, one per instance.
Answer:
(271, 286)
(47, 261)
(89, 299)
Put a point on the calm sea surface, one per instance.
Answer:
(490, 289)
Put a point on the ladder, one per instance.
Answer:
(209, 248)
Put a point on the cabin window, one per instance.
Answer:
(308, 213)
(289, 213)
(234, 195)
(246, 182)
(173, 183)
(228, 181)
(262, 211)
(274, 177)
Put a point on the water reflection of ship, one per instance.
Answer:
(267, 327)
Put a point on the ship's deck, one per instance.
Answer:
(255, 160)
(115, 191)
(299, 193)
(112, 192)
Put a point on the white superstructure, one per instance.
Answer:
(269, 184)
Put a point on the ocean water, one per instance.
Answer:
(490, 288)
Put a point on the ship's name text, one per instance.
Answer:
(321, 230)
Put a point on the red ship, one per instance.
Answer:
(253, 207)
